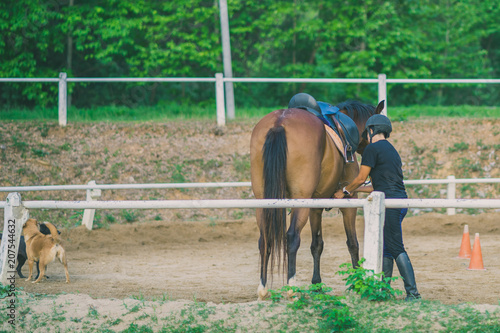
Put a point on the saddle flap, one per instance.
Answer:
(347, 125)
(336, 139)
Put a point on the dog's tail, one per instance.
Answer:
(53, 231)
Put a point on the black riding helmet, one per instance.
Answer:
(380, 124)
(304, 101)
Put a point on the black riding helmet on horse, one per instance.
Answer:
(305, 101)
(342, 124)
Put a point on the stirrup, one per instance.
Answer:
(348, 148)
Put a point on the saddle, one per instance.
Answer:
(342, 125)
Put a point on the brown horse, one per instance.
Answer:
(293, 157)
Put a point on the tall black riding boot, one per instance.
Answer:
(387, 267)
(406, 270)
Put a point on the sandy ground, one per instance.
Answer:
(215, 259)
(219, 262)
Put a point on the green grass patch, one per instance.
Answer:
(456, 111)
(184, 112)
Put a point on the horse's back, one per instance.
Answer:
(306, 145)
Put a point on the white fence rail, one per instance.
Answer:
(16, 213)
(451, 180)
(93, 190)
(219, 81)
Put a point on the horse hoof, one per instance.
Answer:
(262, 293)
(292, 294)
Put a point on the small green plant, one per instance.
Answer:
(177, 174)
(416, 149)
(466, 165)
(134, 328)
(101, 225)
(110, 218)
(241, 164)
(238, 215)
(129, 216)
(65, 147)
(4, 291)
(39, 152)
(93, 312)
(116, 170)
(19, 145)
(460, 146)
(115, 322)
(44, 130)
(77, 216)
(371, 286)
(135, 308)
(334, 316)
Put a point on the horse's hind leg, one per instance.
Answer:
(317, 242)
(297, 223)
(349, 215)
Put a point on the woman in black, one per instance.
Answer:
(381, 161)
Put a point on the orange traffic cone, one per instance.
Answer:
(465, 247)
(476, 260)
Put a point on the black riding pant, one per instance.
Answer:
(393, 233)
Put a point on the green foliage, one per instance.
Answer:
(110, 218)
(460, 146)
(111, 38)
(4, 291)
(334, 316)
(374, 287)
(39, 152)
(19, 145)
(312, 309)
(181, 112)
(241, 164)
(134, 328)
(93, 313)
(129, 215)
(65, 147)
(178, 174)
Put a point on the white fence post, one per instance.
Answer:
(374, 212)
(63, 99)
(226, 57)
(219, 98)
(15, 215)
(451, 193)
(88, 214)
(382, 91)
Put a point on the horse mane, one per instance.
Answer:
(357, 111)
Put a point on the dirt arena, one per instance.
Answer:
(218, 262)
(214, 258)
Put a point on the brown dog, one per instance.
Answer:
(43, 248)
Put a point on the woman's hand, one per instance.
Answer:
(339, 194)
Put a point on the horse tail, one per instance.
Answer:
(275, 158)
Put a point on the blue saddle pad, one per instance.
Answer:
(348, 125)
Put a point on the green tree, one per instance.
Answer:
(299, 38)
(30, 47)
